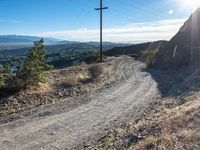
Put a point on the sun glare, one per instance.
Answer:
(189, 4)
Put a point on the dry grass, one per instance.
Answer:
(70, 81)
(180, 131)
(148, 57)
(61, 84)
(163, 129)
(150, 142)
(96, 71)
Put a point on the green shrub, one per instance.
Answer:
(32, 70)
(1, 68)
(5, 75)
(1, 81)
(96, 71)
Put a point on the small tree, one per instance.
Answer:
(1, 75)
(5, 69)
(1, 80)
(1, 68)
(32, 70)
(5, 74)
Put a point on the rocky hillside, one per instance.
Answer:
(137, 50)
(149, 53)
(128, 50)
(184, 48)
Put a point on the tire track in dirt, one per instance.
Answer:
(71, 129)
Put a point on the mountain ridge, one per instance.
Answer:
(184, 48)
(24, 39)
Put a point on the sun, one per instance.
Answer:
(189, 4)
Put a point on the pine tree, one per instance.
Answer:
(5, 74)
(1, 75)
(32, 70)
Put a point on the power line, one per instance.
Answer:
(101, 28)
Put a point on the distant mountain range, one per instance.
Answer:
(18, 46)
(15, 42)
(23, 39)
(59, 53)
(8, 42)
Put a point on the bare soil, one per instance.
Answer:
(78, 122)
(172, 122)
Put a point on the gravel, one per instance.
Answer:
(58, 126)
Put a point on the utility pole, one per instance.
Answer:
(101, 28)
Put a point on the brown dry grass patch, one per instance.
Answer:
(96, 71)
(163, 128)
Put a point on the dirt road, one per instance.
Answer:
(61, 129)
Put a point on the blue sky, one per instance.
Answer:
(124, 21)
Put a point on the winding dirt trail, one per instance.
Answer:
(70, 129)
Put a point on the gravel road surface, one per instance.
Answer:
(59, 128)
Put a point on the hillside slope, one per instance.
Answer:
(127, 50)
(184, 48)
(144, 51)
